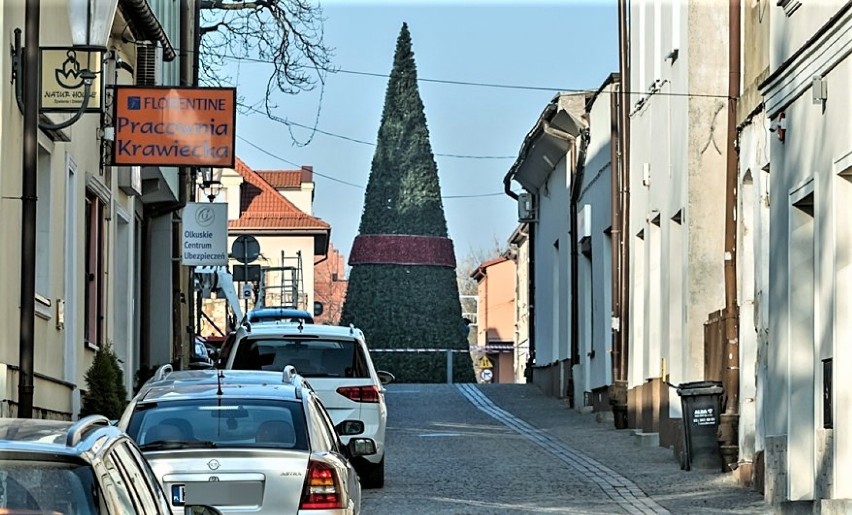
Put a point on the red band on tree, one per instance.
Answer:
(402, 249)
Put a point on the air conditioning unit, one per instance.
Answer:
(149, 64)
(526, 209)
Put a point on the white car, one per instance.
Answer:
(336, 363)
(250, 443)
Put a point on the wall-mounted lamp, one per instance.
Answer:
(779, 127)
(819, 90)
(211, 181)
(91, 23)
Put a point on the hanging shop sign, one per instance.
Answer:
(204, 240)
(62, 86)
(165, 126)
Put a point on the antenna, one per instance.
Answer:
(301, 325)
(219, 376)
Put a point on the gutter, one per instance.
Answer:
(146, 25)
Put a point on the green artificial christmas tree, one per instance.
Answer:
(105, 392)
(402, 286)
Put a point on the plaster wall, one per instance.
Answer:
(552, 256)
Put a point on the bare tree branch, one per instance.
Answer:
(288, 34)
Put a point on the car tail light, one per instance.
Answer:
(322, 488)
(360, 393)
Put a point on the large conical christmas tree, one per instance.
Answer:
(402, 286)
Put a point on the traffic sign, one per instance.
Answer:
(245, 248)
(486, 374)
(484, 362)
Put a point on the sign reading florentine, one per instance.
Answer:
(165, 126)
(204, 240)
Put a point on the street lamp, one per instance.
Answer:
(99, 16)
(211, 181)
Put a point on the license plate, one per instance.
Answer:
(178, 494)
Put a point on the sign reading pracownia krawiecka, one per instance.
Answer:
(171, 126)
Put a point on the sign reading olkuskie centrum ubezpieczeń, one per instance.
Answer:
(174, 126)
(181, 127)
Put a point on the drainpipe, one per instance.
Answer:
(729, 421)
(29, 197)
(184, 277)
(621, 224)
(576, 183)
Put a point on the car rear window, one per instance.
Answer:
(311, 357)
(36, 486)
(219, 422)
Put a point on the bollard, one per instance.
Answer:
(449, 366)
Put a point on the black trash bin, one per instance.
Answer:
(702, 403)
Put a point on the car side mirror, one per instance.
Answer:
(349, 428)
(385, 377)
(361, 447)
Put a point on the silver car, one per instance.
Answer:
(248, 442)
(337, 363)
(86, 467)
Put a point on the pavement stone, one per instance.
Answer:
(653, 470)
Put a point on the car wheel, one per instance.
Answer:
(372, 474)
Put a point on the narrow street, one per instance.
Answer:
(472, 449)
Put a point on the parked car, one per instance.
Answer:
(200, 356)
(87, 467)
(255, 442)
(279, 314)
(337, 363)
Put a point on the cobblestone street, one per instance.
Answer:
(475, 449)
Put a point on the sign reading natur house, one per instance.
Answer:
(204, 240)
(166, 126)
(62, 85)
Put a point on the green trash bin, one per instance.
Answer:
(702, 403)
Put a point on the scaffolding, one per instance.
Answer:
(283, 285)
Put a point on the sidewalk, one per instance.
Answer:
(654, 470)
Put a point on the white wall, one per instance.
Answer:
(552, 269)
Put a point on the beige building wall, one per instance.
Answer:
(520, 242)
(66, 172)
(303, 198)
(274, 243)
(496, 310)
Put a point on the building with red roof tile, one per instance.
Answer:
(275, 207)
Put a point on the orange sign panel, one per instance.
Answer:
(168, 126)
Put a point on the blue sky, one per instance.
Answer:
(554, 46)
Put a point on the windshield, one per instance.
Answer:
(312, 358)
(34, 486)
(217, 423)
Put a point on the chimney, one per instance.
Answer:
(307, 173)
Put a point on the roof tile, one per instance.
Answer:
(263, 207)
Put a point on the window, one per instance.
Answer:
(137, 481)
(117, 486)
(311, 357)
(43, 219)
(94, 278)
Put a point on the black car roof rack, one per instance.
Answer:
(75, 432)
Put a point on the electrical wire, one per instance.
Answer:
(488, 84)
(360, 141)
(335, 179)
